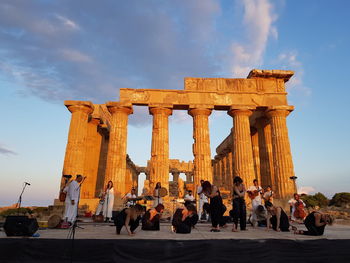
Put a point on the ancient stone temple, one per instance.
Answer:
(257, 147)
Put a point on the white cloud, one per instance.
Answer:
(75, 55)
(258, 21)
(70, 24)
(306, 190)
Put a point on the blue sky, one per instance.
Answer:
(51, 51)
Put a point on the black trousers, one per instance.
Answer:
(120, 223)
(150, 225)
(239, 212)
(217, 211)
(312, 229)
(185, 227)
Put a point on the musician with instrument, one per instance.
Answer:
(130, 198)
(151, 219)
(268, 194)
(238, 204)
(108, 202)
(297, 208)
(158, 193)
(72, 191)
(255, 194)
(129, 217)
(189, 198)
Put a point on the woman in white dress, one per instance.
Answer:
(109, 201)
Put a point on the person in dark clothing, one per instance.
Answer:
(129, 217)
(276, 218)
(185, 219)
(315, 223)
(238, 205)
(150, 221)
(217, 208)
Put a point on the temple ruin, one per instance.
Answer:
(257, 147)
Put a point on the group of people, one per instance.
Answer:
(263, 211)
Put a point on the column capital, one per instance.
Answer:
(95, 121)
(279, 111)
(241, 110)
(119, 107)
(78, 105)
(199, 111)
(160, 110)
(253, 130)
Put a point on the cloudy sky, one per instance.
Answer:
(51, 51)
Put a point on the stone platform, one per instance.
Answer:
(200, 232)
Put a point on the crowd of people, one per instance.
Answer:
(263, 212)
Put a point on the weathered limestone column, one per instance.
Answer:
(102, 164)
(243, 162)
(176, 175)
(283, 163)
(159, 171)
(201, 145)
(265, 153)
(230, 170)
(224, 170)
(189, 177)
(116, 157)
(92, 157)
(76, 145)
(256, 157)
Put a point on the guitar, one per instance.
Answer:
(253, 194)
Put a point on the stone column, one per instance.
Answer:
(256, 157)
(224, 170)
(102, 164)
(116, 157)
(243, 162)
(283, 163)
(176, 175)
(159, 171)
(201, 145)
(230, 171)
(92, 157)
(189, 177)
(265, 153)
(76, 145)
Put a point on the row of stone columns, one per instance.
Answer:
(262, 152)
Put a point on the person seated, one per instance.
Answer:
(129, 217)
(130, 198)
(297, 209)
(259, 217)
(277, 218)
(185, 219)
(150, 221)
(189, 198)
(315, 223)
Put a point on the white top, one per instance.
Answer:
(131, 202)
(72, 191)
(202, 196)
(257, 200)
(189, 197)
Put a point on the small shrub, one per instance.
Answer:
(340, 199)
(318, 199)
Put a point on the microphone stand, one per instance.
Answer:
(20, 198)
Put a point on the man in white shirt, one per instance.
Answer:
(293, 202)
(189, 198)
(255, 191)
(202, 200)
(72, 199)
(130, 198)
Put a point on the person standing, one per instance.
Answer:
(254, 192)
(71, 203)
(109, 202)
(156, 194)
(203, 199)
(238, 204)
(216, 206)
